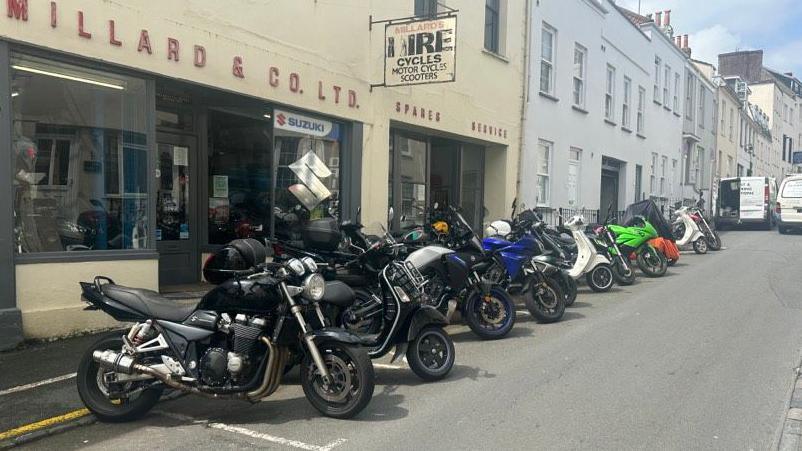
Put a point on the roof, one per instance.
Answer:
(633, 17)
(790, 82)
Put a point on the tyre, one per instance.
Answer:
(568, 287)
(545, 301)
(623, 273)
(431, 354)
(672, 261)
(714, 241)
(782, 230)
(652, 262)
(94, 389)
(601, 278)
(490, 316)
(353, 381)
(700, 245)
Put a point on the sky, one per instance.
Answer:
(720, 26)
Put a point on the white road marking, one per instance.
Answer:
(253, 434)
(274, 439)
(52, 380)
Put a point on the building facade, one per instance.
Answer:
(729, 128)
(141, 138)
(609, 117)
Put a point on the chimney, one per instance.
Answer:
(678, 41)
(667, 13)
(658, 18)
(789, 74)
(685, 41)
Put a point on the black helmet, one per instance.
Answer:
(234, 258)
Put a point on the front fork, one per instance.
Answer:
(317, 357)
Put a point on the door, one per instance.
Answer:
(609, 191)
(409, 158)
(472, 185)
(176, 210)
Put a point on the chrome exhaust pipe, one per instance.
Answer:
(115, 361)
(270, 377)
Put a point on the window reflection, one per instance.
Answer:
(80, 158)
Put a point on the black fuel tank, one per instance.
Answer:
(245, 296)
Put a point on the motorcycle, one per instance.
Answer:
(455, 273)
(413, 329)
(697, 214)
(233, 344)
(633, 240)
(686, 231)
(595, 266)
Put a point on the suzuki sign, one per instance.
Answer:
(299, 123)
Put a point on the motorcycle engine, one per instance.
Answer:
(214, 367)
(220, 366)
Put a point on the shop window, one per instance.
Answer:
(80, 149)
(240, 177)
(407, 182)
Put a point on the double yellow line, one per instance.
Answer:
(39, 425)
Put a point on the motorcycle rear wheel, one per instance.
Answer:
(545, 301)
(94, 391)
(624, 274)
(700, 245)
(601, 278)
(652, 262)
(352, 389)
(431, 354)
(490, 317)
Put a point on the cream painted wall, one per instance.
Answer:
(49, 297)
(326, 44)
(728, 107)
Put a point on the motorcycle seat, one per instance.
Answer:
(148, 302)
(338, 293)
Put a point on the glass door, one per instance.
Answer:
(409, 157)
(176, 212)
(472, 185)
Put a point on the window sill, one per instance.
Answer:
(495, 55)
(609, 122)
(548, 96)
(640, 136)
(677, 114)
(579, 109)
(86, 256)
(657, 102)
(626, 129)
(667, 108)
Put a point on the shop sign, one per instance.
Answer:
(420, 51)
(310, 169)
(299, 123)
(120, 34)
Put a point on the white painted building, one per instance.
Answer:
(605, 109)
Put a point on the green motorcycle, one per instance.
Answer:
(633, 240)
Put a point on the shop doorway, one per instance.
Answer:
(176, 209)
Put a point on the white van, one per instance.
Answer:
(746, 200)
(789, 203)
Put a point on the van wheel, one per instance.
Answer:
(782, 230)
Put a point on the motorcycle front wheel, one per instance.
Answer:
(623, 273)
(714, 241)
(94, 389)
(431, 354)
(490, 316)
(568, 287)
(352, 380)
(545, 301)
(652, 262)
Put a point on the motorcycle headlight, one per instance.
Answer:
(314, 287)
(296, 266)
(309, 264)
(402, 295)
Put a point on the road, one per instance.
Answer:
(700, 359)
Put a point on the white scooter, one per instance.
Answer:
(692, 233)
(596, 267)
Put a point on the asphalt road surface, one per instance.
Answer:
(703, 358)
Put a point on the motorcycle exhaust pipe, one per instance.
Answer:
(115, 361)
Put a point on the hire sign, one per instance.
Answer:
(420, 51)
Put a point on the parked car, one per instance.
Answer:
(789, 204)
(746, 200)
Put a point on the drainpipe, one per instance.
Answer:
(525, 95)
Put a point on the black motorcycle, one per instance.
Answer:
(234, 344)
(413, 329)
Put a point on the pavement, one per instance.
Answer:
(703, 358)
